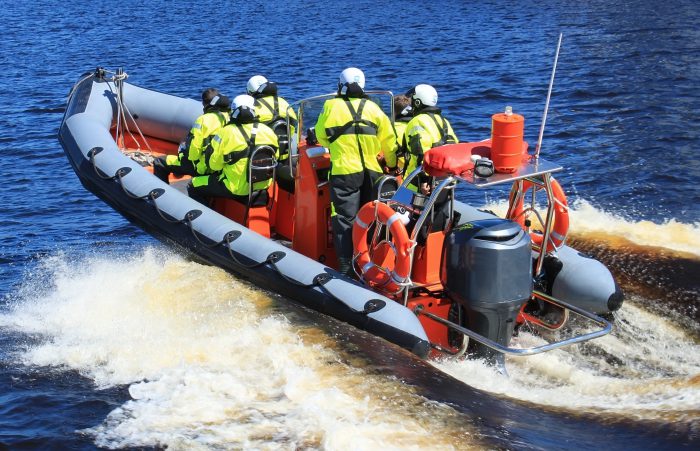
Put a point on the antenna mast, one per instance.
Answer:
(546, 105)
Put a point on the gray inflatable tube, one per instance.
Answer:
(173, 217)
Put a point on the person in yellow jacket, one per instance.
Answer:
(228, 157)
(271, 109)
(356, 131)
(426, 130)
(189, 159)
(403, 113)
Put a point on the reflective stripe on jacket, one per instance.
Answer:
(423, 132)
(230, 152)
(198, 138)
(355, 144)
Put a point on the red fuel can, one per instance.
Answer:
(507, 141)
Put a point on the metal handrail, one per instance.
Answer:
(606, 329)
(252, 166)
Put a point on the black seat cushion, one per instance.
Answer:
(284, 177)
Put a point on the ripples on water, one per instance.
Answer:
(90, 342)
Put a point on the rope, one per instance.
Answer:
(153, 196)
(91, 154)
(235, 259)
(196, 234)
(142, 158)
(121, 173)
(292, 281)
(77, 85)
(145, 141)
(123, 111)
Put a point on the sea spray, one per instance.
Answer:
(209, 363)
(647, 368)
(586, 220)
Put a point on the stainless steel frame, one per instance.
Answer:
(605, 329)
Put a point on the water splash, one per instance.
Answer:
(588, 221)
(647, 368)
(210, 365)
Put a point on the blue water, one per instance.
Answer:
(622, 122)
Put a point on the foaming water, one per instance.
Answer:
(211, 362)
(588, 221)
(647, 368)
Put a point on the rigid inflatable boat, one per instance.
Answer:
(465, 288)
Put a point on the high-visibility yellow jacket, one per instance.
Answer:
(400, 129)
(355, 130)
(198, 139)
(230, 153)
(426, 130)
(270, 108)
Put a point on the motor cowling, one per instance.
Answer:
(487, 270)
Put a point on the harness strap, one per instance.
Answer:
(207, 140)
(356, 126)
(274, 110)
(222, 118)
(415, 147)
(445, 137)
(357, 117)
(235, 157)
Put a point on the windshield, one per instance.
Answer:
(308, 110)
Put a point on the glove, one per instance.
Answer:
(311, 137)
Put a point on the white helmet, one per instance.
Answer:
(243, 104)
(255, 82)
(423, 95)
(349, 76)
(352, 75)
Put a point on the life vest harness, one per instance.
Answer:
(234, 157)
(560, 229)
(388, 279)
(184, 149)
(274, 109)
(415, 147)
(445, 137)
(357, 126)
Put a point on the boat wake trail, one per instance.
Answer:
(648, 368)
(659, 263)
(671, 237)
(210, 362)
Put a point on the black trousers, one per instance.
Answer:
(216, 188)
(162, 169)
(348, 194)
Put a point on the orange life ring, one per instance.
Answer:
(377, 276)
(561, 216)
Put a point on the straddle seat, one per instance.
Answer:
(254, 211)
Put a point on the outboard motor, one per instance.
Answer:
(487, 269)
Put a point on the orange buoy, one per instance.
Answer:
(561, 217)
(507, 141)
(388, 278)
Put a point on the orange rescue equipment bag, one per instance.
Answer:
(450, 159)
(392, 277)
(561, 216)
